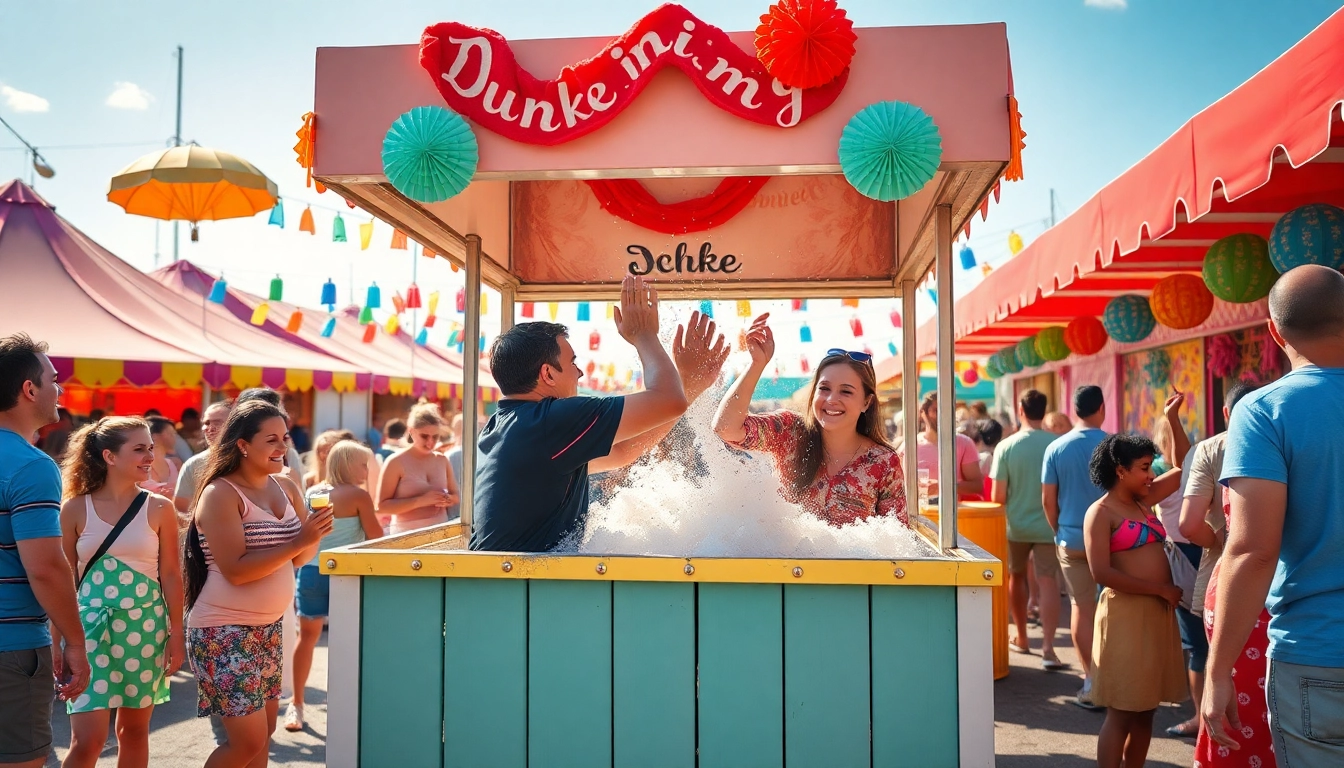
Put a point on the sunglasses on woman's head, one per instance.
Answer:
(858, 357)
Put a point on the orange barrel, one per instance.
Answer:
(984, 523)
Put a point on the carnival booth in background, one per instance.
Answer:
(877, 145)
(1158, 282)
(172, 350)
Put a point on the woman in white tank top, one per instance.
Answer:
(130, 592)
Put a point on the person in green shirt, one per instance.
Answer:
(1016, 483)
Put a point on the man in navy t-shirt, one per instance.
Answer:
(535, 452)
(35, 580)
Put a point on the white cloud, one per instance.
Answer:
(22, 101)
(1110, 5)
(129, 96)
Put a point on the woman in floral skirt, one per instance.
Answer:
(129, 587)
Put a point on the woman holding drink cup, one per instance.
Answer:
(417, 485)
(353, 521)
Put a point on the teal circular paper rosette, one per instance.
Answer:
(430, 154)
(890, 150)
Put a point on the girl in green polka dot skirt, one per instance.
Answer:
(130, 597)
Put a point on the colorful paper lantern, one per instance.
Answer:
(338, 229)
(967, 257)
(744, 308)
(890, 150)
(992, 368)
(1237, 268)
(373, 298)
(1312, 234)
(413, 297)
(365, 235)
(1008, 362)
(529, 310)
(594, 341)
(461, 300)
(219, 290)
(1181, 301)
(1128, 318)
(856, 325)
(805, 43)
(1026, 353)
(329, 327)
(370, 331)
(306, 223)
(1050, 343)
(278, 214)
(295, 322)
(430, 154)
(1085, 335)
(805, 334)
(583, 313)
(259, 314)
(365, 316)
(328, 293)
(707, 308)
(277, 292)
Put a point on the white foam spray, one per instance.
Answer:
(694, 497)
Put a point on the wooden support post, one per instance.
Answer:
(947, 394)
(909, 393)
(507, 295)
(471, 366)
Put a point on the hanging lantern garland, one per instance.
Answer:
(1050, 344)
(1085, 335)
(1180, 301)
(1026, 353)
(890, 150)
(992, 370)
(1008, 362)
(1311, 234)
(1237, 268)
(1128, 319)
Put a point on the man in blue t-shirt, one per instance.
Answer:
(1067, 491)
(1283, 464)
(535, 452)
(35, 579)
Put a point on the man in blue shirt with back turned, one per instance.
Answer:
(35, 579)
(1067, 491)
(1283, 466)
(535, 452)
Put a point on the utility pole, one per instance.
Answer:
(1052, 207)
(177, 138)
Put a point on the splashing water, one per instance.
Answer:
(695, 497)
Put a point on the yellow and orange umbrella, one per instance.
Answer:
(192, 184)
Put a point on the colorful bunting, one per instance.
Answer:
(422, 338)
(365, 235)
(895, 318)
(1015, 244)
(529, 310)
(413, 297)
(328, 328)
(967, 257)
(429, 321)
(891, 347)
(433, 303)
(338, 230)
(277, 292)
(373, 298)
(853, 303)
(398, 240)
(329, 294)
(594, 341)
(295, 322)
(306, 221)
(365, 316)
(370, 331)
(744, 308)
(805, 334)
(259, 314)
(707, 308)
(799, 305)
(584, 313)
(398, 303)
(278, 214)
(856, 325)
(485, 304)
(219, 290)
(393, 325)
(554, 309)
(461, 300)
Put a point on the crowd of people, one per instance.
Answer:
(1167, 552)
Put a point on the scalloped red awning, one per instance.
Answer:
(1274, 143)
(629, 200)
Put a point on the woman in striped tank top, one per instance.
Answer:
(242, 547)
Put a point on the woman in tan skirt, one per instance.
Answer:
(1136, 649)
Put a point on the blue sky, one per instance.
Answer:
(1100, 83)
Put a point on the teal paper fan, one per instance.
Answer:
(890, 150)
(430, 154)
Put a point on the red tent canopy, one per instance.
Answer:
(1271, 145)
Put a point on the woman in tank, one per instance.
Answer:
(834, 459)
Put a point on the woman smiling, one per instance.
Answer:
(834, 459)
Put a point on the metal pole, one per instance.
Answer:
(947, 393)
(1052, 207)
(471, 366)
(909, 394)
(177, 140)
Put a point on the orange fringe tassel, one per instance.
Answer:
(306, 148)
(1018, 139)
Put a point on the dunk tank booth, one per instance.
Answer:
(441, 656)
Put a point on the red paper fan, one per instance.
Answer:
(805, 43)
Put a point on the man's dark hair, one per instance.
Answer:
(264, 394)
(153, 412)
(1087, 400)
(190, 413)
(394, 429)
(1033, 405)
(19, 364)
(1239, 390)
(1307, 303)
(516, 357)
(991, 431)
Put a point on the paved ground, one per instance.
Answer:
(1037, 726)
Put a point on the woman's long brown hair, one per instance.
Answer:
(807, 459)
(84, 469)
(225, 458)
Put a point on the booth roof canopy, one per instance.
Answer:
(65, 289)
(1271, 145)
(384, 356)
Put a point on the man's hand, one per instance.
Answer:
(1219, 710)
(637, 317)
(71, 667)
(760, 341)
(698, 362)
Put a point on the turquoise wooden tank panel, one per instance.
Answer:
(487, 673)
(653, 675)
(485, 681)
(914, 677)
(741, 655)
(826, 655)
(569, 674)
(401, 672)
